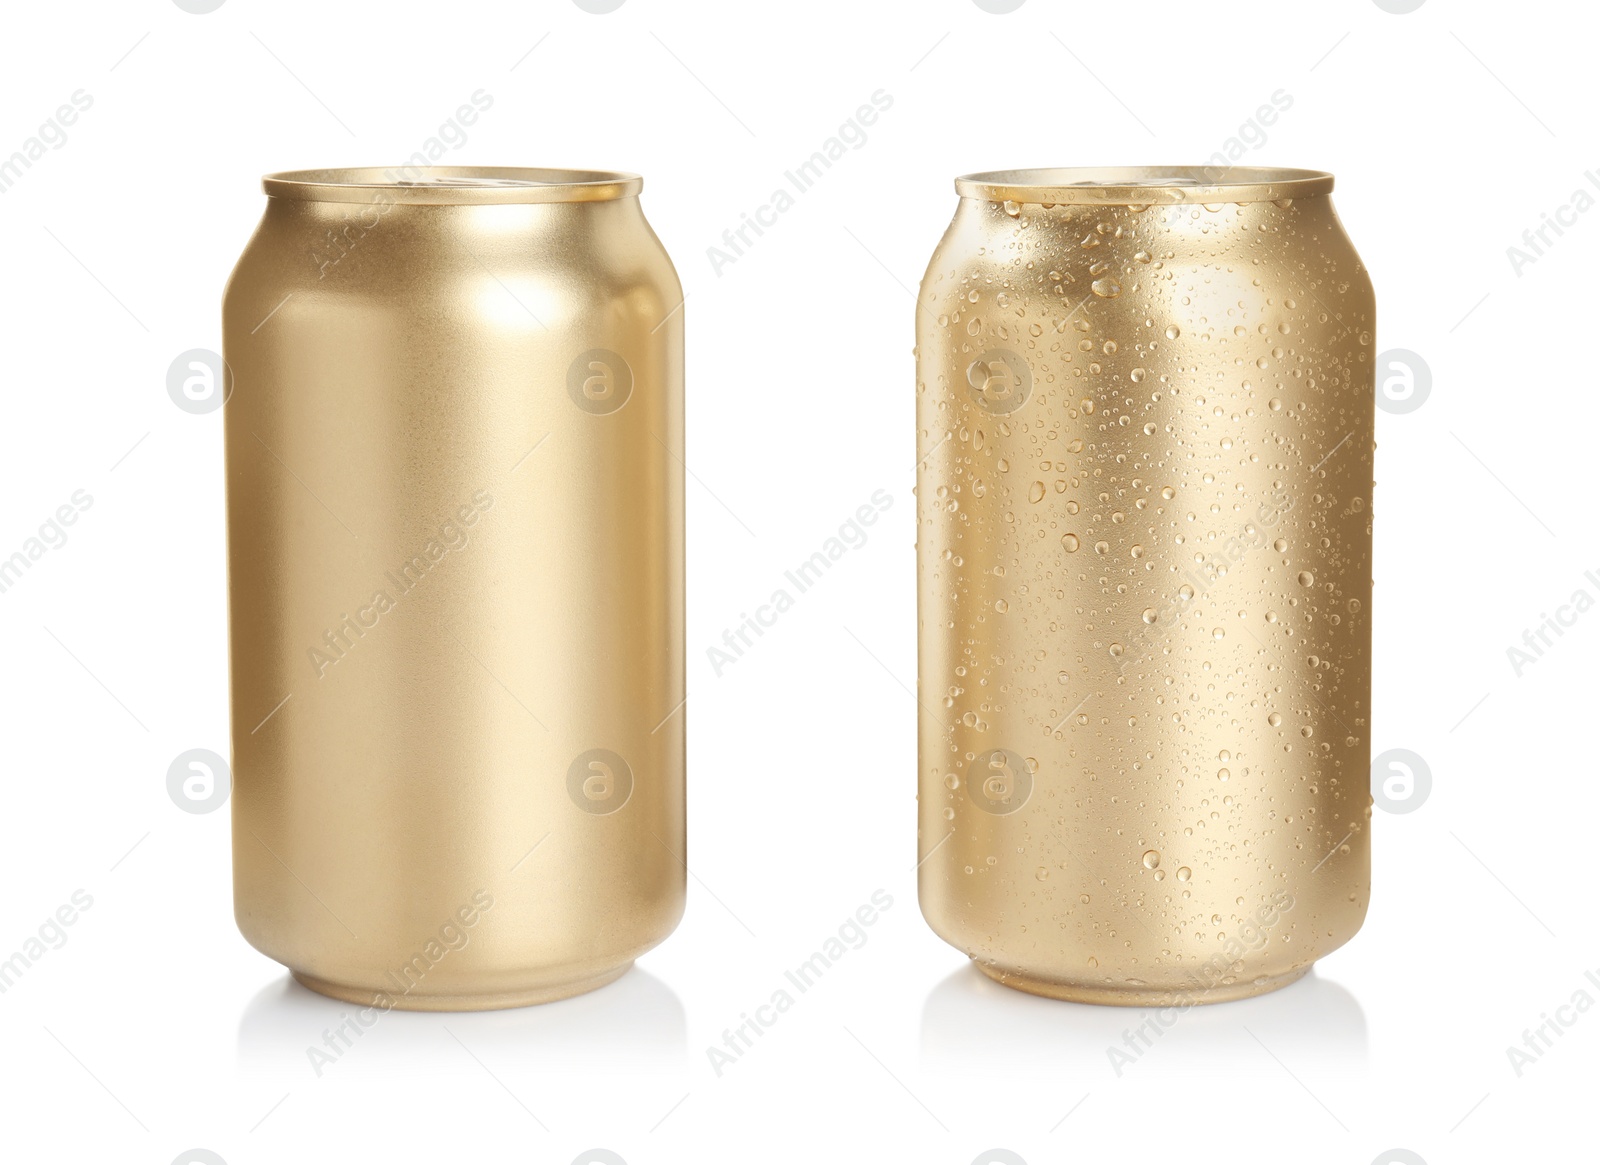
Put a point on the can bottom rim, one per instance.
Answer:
(1139, 996)
(417, 1001)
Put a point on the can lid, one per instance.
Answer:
(453, 185)
(1144, 185)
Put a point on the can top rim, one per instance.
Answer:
(453, 185)
(1144, 185)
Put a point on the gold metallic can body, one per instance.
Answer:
(455, 526)
(1145, 414)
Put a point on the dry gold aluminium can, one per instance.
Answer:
(1145, 417)
(455, 531)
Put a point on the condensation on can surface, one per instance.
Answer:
(1144, 549)
(456, 573)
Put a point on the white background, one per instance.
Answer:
(155, 1028)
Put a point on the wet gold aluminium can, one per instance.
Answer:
(455, 528)
(1145, 417)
